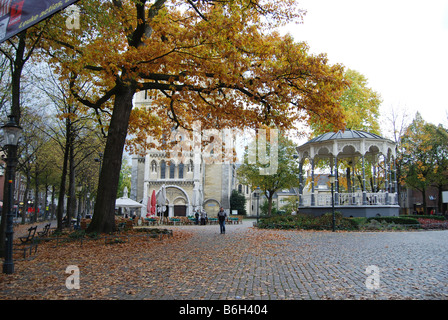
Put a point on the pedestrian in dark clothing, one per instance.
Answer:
(196, 215)
(222, 220)
(203, 217)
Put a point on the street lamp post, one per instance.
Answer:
(257, 194)
(332, 178)
(100, 160)
(12, 133)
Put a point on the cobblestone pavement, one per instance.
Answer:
(277, 265)
(252, 264)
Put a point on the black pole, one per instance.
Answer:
(8, 264)
(258, 205)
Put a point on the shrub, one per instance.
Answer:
(441, 218)
(395, 220)
(384, 225)
(433, 223)
(308, 222)
(78, 234)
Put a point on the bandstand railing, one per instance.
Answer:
(350, 199)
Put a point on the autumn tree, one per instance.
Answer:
(281, 172)
(439, 142)
(420, 156)
(360, 105)
(219, 62)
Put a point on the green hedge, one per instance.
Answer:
(442, 218)
(308, 222)
(324, 222)
(397, 220)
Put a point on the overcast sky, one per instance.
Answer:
(401, 46)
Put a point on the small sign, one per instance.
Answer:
(445, 196)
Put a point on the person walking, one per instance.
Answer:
(222, 220)
(196, 215)
(203, 217)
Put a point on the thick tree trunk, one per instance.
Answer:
(71, 203)
(103, 220)
(60, 207)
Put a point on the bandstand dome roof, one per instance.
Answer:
(347, 134)
(345, 144)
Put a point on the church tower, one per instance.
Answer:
(195, 180)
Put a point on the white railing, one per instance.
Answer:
(351, 199)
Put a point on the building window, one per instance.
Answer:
(181, 170)
(240, 188)
(172, 169)
(162, 169)
(153, 166)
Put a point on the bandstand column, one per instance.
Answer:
(313, 201)
(301, 183)
(375, 187)
(374, 175)
(364, 194)
(336, 191)
(395, 182)
(386, 181)
(353, 182)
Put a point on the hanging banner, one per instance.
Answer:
(18, 15)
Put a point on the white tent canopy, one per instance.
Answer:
(125, 202)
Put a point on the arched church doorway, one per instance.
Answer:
(180, 210)
(178, 201)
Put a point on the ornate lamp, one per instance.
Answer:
(11, 133)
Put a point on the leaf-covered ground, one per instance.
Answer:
(139, 268)
(199, 263)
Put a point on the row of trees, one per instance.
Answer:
(58, 146)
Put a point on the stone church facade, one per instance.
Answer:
(192, 182)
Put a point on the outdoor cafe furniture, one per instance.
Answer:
(233, 220)
(151, 221)
(174, 221)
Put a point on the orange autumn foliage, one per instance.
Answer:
(222, 63)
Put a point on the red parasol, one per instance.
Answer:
(153, 203)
